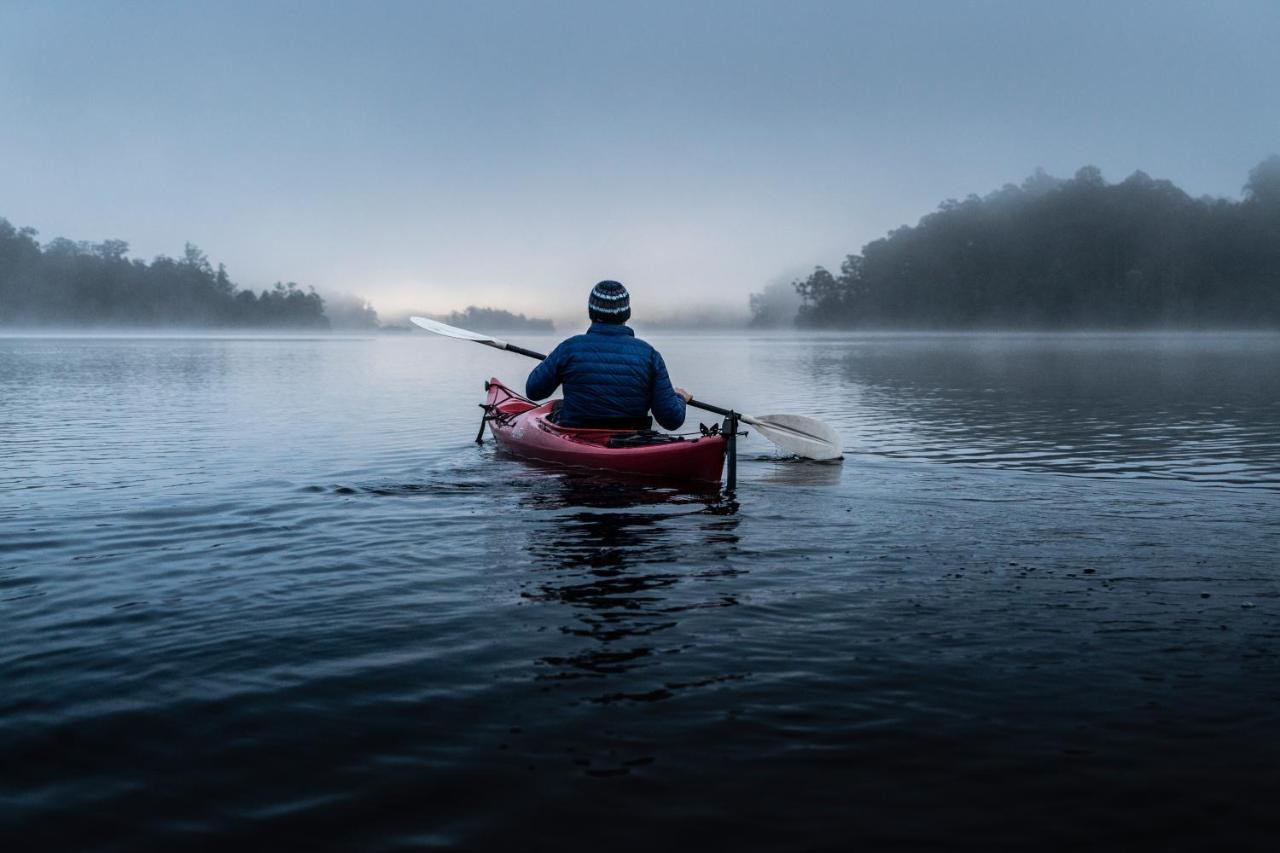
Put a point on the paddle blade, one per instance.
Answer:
(454, 332)
(803, 436)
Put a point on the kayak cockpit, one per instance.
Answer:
(526, 428)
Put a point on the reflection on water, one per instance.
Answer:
(790, 471)
(270, 592)
(618, 556)
(1179, 407)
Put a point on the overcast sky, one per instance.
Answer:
(435, 155)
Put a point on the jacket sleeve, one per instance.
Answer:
(545, 378)
(667, 405)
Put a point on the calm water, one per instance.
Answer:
(258, 591)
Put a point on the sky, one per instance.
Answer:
(430, 156)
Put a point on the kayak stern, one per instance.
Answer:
(521, 427)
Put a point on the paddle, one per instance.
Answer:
(803, 436)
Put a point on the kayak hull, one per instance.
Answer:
(520, 426)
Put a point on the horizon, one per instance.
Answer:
(687, 315)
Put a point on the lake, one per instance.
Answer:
(268, 591)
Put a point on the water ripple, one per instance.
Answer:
(268, 589)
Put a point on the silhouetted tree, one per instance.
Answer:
(775, 306)
(494, 319)
(1080, 252)
(78, 283)
(350, 312)
(1264, 182)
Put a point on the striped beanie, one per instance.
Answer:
(609, 303)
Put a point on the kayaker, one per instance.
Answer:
(611, 378)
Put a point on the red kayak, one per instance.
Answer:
(521, 427)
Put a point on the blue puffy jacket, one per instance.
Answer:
(607, 374)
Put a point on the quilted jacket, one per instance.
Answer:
(608, 373)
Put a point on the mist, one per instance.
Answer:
(1065, 254)
(927, 498)
(435, 157)
(1048, 253)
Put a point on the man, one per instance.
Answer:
(611, 378)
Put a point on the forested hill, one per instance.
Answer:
(1075, 253)
(497, 320)
(66, 283)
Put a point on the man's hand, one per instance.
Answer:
(683, 394)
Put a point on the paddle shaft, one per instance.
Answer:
(515, 349)
(697, 404)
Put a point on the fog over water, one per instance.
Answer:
(260, 587)
(269, 588)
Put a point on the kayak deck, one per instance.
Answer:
(521, 426)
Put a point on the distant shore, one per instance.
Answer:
(1061, 254)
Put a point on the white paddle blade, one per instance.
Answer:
(803, 436)
(454, 332)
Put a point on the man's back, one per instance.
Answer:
(609, 376)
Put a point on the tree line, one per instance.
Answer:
(497, 320)
(70, 283)
(1055, 253)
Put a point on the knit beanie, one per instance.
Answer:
(609, 303)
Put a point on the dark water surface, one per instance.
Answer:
(257, 591)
